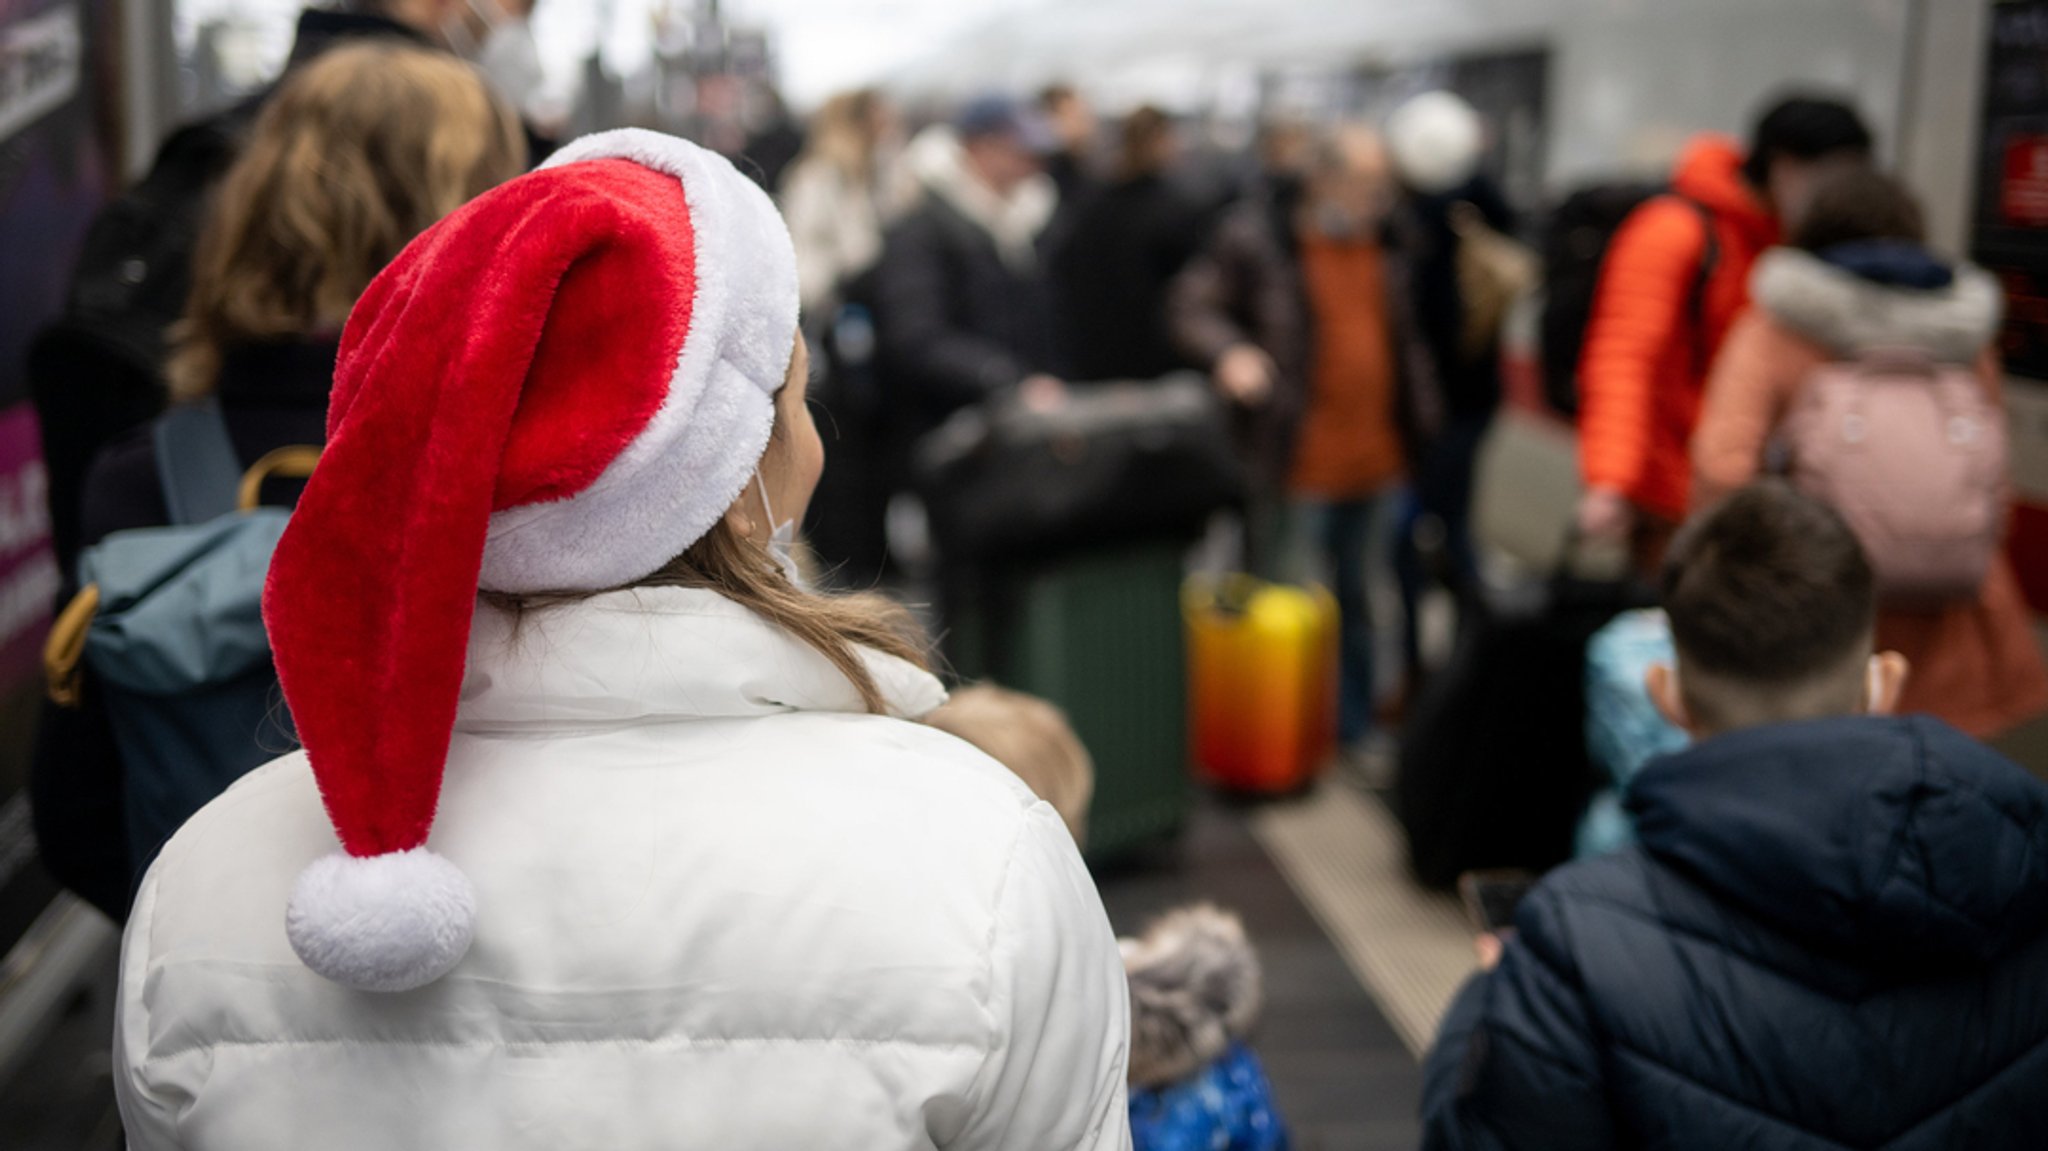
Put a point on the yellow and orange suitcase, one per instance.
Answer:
(1262, 681)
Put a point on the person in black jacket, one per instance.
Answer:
(358, 153)
(1435, 142)
(96, 373)
(1116, 264)
(963, 309)
(1834, 932)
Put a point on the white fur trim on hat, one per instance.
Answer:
(388, 922)
(1435, 140)
(681, 473)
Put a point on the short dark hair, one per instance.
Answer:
(1769, 588)
(1143, 131)
(1803, 127)
(1053, 95)
(1859, 203)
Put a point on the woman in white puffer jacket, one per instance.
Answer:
(605, 834)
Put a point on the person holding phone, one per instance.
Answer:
(1833, 930)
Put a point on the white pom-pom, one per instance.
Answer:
(388, 922)
(1435, 141)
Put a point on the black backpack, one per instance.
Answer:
(96, 371)
(1574, 248)
(1507, 791)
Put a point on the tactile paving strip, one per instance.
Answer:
(1341, 851)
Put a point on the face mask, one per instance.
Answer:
(461, 33)
(782, 540)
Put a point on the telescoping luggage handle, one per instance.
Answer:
(191, 443)
(1569, 582)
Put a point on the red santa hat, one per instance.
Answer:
(558, 388)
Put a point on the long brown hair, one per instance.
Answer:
(843, 133)
(1856, 202)
(357, 153)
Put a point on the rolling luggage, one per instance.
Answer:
(1099, 634)
(1115, 462)
(1494, 771)
(1262, 682)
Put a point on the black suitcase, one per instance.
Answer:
(1494, 771)
(1117, 463)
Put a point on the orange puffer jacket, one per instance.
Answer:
(1644, 369)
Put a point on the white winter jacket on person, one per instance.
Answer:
(718, 907)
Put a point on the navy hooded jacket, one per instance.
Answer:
(1833, 935)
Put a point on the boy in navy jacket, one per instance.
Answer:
(1834, 932)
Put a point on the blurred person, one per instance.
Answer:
(837, 198)
(1858, 278)
(1071, 162)
(1435, 141)
(964, 309)
(1116, 263)
(1834, 929)
(1286, 151)
(775, 139)
(510, 59)
(604, 827)
(1297, 308)
(1674, 280)
(98, 370)
(1196, 994)
(355, 155)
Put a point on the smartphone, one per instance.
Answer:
(1492, 896)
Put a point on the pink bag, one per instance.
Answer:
(1913, 454)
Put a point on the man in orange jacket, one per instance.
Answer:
(1675, 278)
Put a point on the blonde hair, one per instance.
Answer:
(358, 152)
(835, 626)
(843, 133)
(1033, 739)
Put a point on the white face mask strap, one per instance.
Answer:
(768, 509)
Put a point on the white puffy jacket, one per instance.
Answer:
(717, 907)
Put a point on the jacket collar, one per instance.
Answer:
(1893, 263)
(320, 29)
(1012, 223)
(1849, 314)
(655, 655)
(1709, 173)
(1899, 842)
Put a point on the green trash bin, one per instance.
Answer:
(1100, 635)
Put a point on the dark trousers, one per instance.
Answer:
(1433, 541)
(1345, 532)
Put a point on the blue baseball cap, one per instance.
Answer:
(999, 115)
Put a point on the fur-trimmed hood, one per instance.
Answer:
(939, 164)
(1849, 314)
(1195, 987)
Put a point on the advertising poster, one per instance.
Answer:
(56, 165)
(2011, 233)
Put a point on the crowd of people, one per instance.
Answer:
(607, 822)
(1017, 249)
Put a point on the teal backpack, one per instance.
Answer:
(170, 620)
